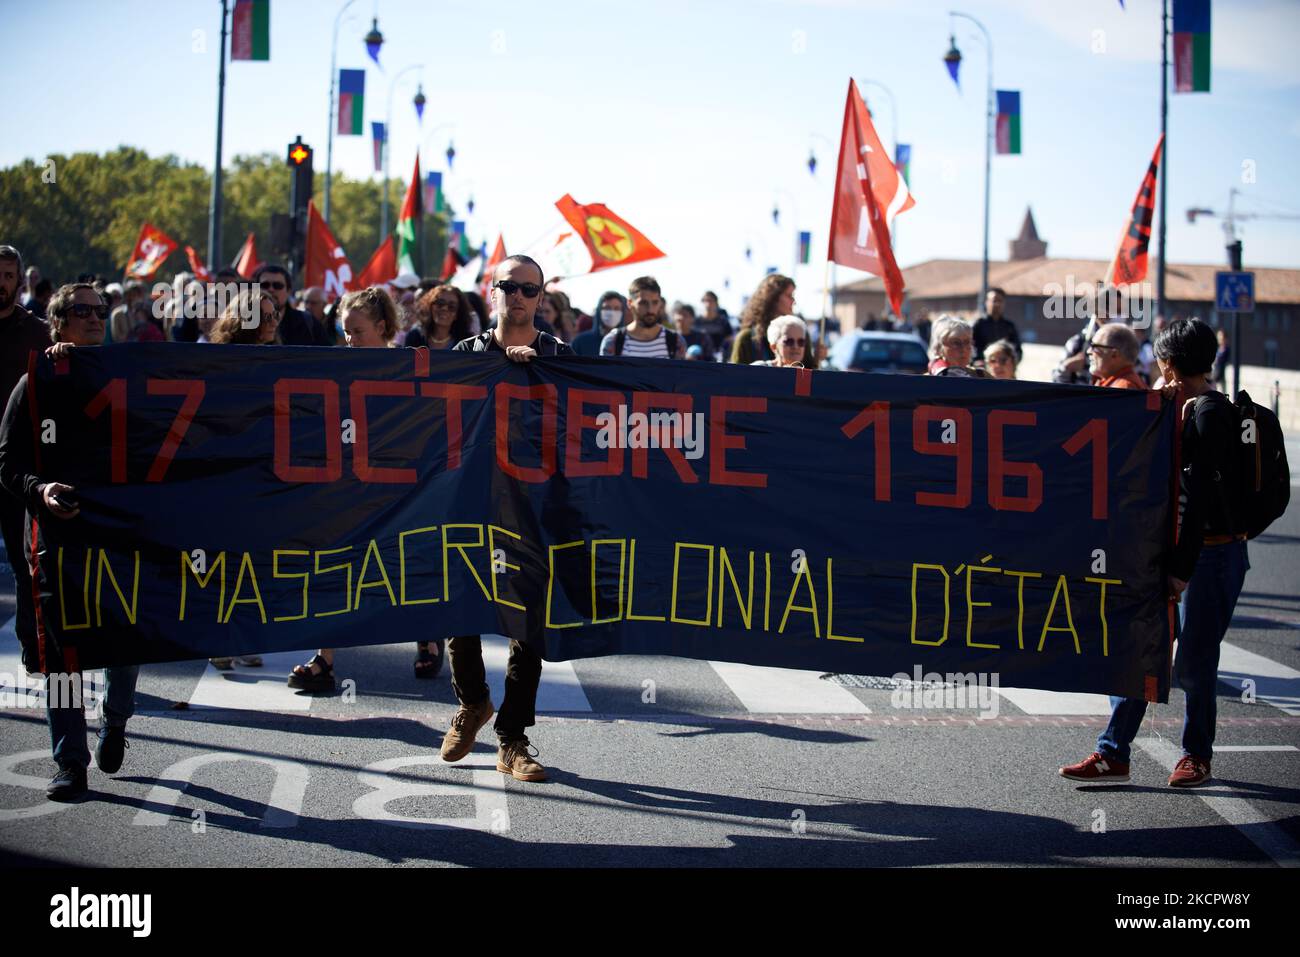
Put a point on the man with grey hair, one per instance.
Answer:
(1111, 356)
(21, 334)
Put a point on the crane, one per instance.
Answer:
(1232, 217)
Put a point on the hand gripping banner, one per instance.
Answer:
(240, 499)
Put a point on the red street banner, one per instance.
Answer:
(196, 265)
(326, 264)
(869, 193)
(360, 496)
(1130, 264)
(151, 251)
(489, 268)
(611, 239)
(381, 268)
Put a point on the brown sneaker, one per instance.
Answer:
(465, 724)
(513, 758)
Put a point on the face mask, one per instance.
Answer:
(611, 317)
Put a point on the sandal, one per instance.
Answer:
(303, 678)
(428, 665)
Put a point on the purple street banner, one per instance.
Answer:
(242, 499)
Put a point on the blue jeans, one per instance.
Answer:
(68, 723)
(1203, 615)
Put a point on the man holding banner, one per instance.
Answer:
(516, 292)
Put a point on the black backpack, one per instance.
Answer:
(1262, 470)
(670, 340)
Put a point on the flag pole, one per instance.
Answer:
(214, 205)
(1164, 156)
(826, 296)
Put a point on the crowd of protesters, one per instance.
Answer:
(526, 318)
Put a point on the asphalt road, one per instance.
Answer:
(702, 766)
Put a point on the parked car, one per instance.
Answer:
(900, 353)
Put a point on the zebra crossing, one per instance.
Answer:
(756, 690)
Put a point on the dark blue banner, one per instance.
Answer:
(253, 499)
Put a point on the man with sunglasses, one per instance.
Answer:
(1112, 355)
(516, 292)
(21, 334)
(297, 328)
(77, 319)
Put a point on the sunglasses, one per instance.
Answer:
(1099, 347)
(83, 311)
(277, 286)
(529, 289)
(787, 341)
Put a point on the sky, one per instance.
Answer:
(693, 119)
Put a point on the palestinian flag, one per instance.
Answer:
(407, 224)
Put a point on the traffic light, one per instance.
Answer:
(298, 159)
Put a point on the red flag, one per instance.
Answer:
(151, 250)
(611, 240)
(196, 265)
(869, 193)
(326, 263)
(381, 268)
(1130, 263)
(489, 268)
(246, 262)
(451, 263)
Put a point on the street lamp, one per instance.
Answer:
(334, 77)
(451, 154)
(419, 102)
(953, 60)
(388, 127)
(374, 40)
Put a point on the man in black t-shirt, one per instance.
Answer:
(993, 325)
(516, 291)
(297, 328)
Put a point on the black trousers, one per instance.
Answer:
(13, 522)
(523, 673)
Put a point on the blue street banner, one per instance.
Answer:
(241, 499)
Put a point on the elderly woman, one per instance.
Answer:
(952, 346)
(787, 336)
(774, 297)
(1000, 359)
(371, 321)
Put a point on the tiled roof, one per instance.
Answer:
(951, 278)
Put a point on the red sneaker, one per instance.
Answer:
(1189, 772)
(1097, 769)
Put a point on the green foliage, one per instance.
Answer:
(82, 213)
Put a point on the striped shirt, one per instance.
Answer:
(656, 348)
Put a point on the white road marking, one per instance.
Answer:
(1255, 747)
(1240, 813)
(252, 689)
(559, 690)
(282, 808)
(1274, 683)
(1033, 701)
(11, 778)
(785, 691)
(487, 786)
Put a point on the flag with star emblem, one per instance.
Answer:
(611, 240)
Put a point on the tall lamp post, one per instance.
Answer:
(952, 58)
(214, 207)
(375, 39)
(388, 129)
